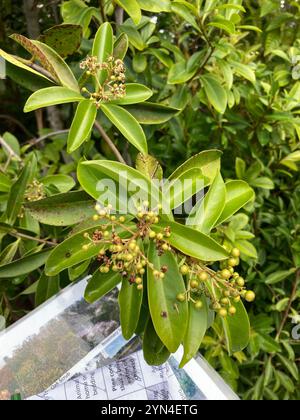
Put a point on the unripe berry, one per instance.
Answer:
(140, 287)
(226, 274)
(227, 293)
(85, 247)
(160, 236)
(162, 276)
(106, 234)
(203, 276)
(250, 296)
(199, 305)
(156, 273)
(232, 262)
(181, 297)
(236, 253)
(232, 310)
(240, 282)
(95, 217)
(225, 301)
(142, 271)
(139, 280)
(165, 247)
(86, 235)
(122, 219)
(237, 299)
(152, 235)
(223, 312)
(184, 270)
(194, 284)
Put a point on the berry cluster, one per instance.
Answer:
(126, 255)
(35, 191)
(224, 288)
(114, 86)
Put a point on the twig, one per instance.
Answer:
(31, 238)
(34, 142)
(9, 149)
(109, 142)
(291, 300)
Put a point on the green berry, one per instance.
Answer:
(203, 276)
(184, 270)
(226, 274)
(236, 253)
(194, 284)
(232, 262)
(223, 312)
(199, 305)
(240, 282)
(181, 297)
(250, 296)
(232, 310)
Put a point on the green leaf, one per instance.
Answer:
(5, 183)
(135, 94)
(64, 39)
(149, 113)
(155, 6)
(225, 25)
(17, 192)
(290, 366)
(8, 253)
(103, 48)
(47, 287)
(149, 166)
(155, 352)
(24, 266)
(180, 74)
(215, 92)
(208, 162)
(63, 209)
(18, 63)
(50, 61)
(132, 8)
(101, 284)
(204, 216)
(78, 270)
(71, 252)
(63, 183)
(91, 174)
(247, 248)
(238, 194)
(127, 125)
(121, 46)
(184, 12)
(193, 243)
(244, 71)
(197, 326)
(237, 330)
(27, 79)
(169, 317)
(82, 125)
(130, 302)
(279, 276)
(51, 96)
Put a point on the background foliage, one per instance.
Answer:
(233, 74)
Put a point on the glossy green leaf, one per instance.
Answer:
(103, 48)
(247, 248)
(279, 276)
(63, 183)
(82, 125)
(135, 94)
(132, 8)
(204, 216)
(193, 243)
(18, 63)
(184, 12)
(197, 326)
(63, 209)
(70, 252)
(47, 287)
(155, 6)
(17, 192)
(225, 25)
(50, 61)
(149, 166)
(237, 330)
(121, 46)
(101, 284)
(8, 253)
(26, 78)
(244, 71)
(155, 352)
(24, 265)
(215, 92)
(148, 113)
(238, 194)
(51, 96)
(179, 73)
(130, 302)
(169, 317)
(127, 125)
(5, 183)
(78, 270)
(208, 162)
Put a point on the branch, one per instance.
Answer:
(9, 149)
(109, 142)
(34, 142)
(291, 300)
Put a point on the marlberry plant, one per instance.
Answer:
(168, 249)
